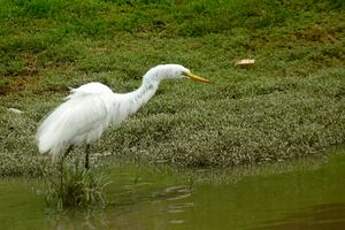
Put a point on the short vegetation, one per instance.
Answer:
(290, 104)
(79, 188)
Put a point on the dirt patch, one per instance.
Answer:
(316, 33)
(17, 83)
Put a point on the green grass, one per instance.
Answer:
(79, 189)
(290, 104)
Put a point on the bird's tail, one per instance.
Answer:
(50, 136)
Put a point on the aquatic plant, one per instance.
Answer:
(80, 188)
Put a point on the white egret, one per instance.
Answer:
(92, 107)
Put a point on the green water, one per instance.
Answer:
(303, 195)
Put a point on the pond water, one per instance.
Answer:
(308, 195)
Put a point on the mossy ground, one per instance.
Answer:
(290, 104)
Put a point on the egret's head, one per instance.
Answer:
(172, 71)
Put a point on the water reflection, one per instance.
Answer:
(325, 216)
(305, 197)
(164, 208)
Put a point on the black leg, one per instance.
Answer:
(61, 175)
(87, 151)
(69, 149)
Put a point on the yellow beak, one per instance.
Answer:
(196, 78)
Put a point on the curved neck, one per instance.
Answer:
(142, 95)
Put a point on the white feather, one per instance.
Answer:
(82, 117)
(92, 107)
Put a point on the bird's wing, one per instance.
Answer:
(92, 88)
(81, 118)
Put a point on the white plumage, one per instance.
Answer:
(83, 117)
(92, 107)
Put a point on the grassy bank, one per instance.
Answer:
(290, 104)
